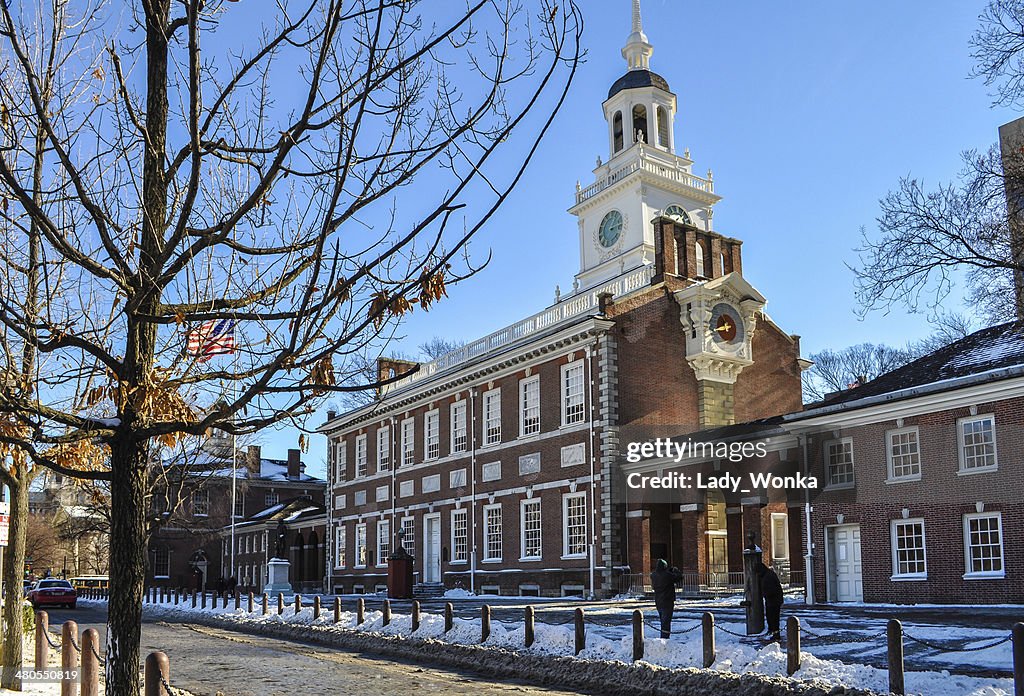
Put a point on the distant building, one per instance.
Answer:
(78, 513)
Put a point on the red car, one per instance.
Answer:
(53, 592)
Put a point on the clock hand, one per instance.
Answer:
(724, 328)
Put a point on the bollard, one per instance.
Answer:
(638, 635)
(360, 611)
(238, 599)
(250, 601)
(157, 669)
(298, 604)
(792, 645)
(415, 616)
(193, 599)
(163, 595)
(68, 657)
(528, 628)
(1018, 659)
(42, 647)
(707, 622)
(177, 594)
(337, 609)
(202, 600)
(894, 638)
(485, 623)
(280, 603)
(449, 616)
(266, 600)
(316, 607)
(90, 663)
(385, 618)
(580, 630)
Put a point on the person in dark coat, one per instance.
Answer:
(771, 590)
(664, 580)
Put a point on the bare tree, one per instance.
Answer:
(42, 545)
(837, 370)
(229, 172)
(437, 346)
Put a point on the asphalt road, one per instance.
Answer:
(212, 662)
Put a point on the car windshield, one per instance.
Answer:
(53, 583)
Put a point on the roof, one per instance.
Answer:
(214, 464)
(638, 78)
(299, 509)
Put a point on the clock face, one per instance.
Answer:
(677, 213)
(726, 326)
(611, 229)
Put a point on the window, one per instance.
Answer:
(201, 503)
(383, 542)
(340, 461)
(492, 532)
(572, 394)
(409, 540)
(529, 406)
(663, 126)
(361, 456)
(904, 456)
(839, 460)
(263, 540)
(617, 131)
(977, 443)
(361, 545)
(492, 417)
(339, 546)
(460, 537)
(431, 484)
(574, 519)
(239, 504)
(457, 478)
(431, 435)
(530, 525)
(161, 562)
(270, 499)
(983, 545)
(382, 494)
(908, 556)
(490, 471)
(408, 441)
(458, 412)
(384, 448)
(640, 129)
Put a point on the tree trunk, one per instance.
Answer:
(127, 565)
(14, 562)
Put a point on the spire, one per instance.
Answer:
(637, 51)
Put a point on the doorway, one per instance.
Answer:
(432, 548)
(846, 582)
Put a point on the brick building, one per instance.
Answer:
(501, 461)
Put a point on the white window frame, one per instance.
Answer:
(841, 442)
(565, 525)
(459, 435)
(166, 561)
(341, 460)
(201, 495)
(889, 435)
(384, 448)
(455, 531)
(782, 517)
(893, 526)
(431, 435)
(964, 469)
(239, 502)
(523, 524)
(408, 442)
(489, 556)
(383, 542)
(529, 406)
(362, 467)
(568, 398)
(339, 546)
(409, 540)
(492, 417)
(362, 550)
(983, 574)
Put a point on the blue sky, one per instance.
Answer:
(808, 113)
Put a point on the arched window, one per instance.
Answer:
(699, 249)
(640, 128)
(617, 131)
(662, 126)
(723, 263)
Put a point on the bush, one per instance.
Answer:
(28, 618)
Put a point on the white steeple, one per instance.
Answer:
(637, 51)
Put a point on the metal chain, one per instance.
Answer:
(836, 639)
(947, 649)
(75, 645)
(723, 629)
(167, 687)
(99, 659)
(55, 646)
(679, 632)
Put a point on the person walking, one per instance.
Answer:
(663, 580)
(771, 590)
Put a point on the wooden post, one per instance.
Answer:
(449, 616)
(316, 607)
(707, 622)
(68, 657)
(385, 618)
(280, 603)
(580, 630)
(528, 628)
(415, 616)
(193, 599)
(638, 635)
(250, 601)
(360, 611)
(42, 647)
(298, 604)
(90, 664)
(1018, 659)
(337, 609)
(485, 623)
(792, 645)
(266, 601)
(238, 599)
(176, 596)
(894, 636)
(157, 666)
(216, 596)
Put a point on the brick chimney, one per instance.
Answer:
(294, 464)
(252, 459)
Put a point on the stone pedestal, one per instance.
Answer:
(277, 576)
(753, 600)
(400, 577)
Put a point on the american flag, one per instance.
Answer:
(214, 337)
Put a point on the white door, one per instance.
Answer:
(847, 582)
(432, 548)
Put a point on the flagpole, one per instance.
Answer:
(234, 470)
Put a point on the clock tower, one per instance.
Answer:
(643, 179)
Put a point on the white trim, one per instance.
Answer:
(826, 456)
(382, 560)
(896, 574)
(494, 396)
(889, 435)
(523, 504)
(563, 393)
(565, 526)
(784, 517)
(523, 405)
(362, 445)
(436, 414)
(384, 448)
(440, 545)
(451, 518)
(983, 575)
(501, 533)
(964, 470)
(366, 551)
(408, 429)
(460, 405)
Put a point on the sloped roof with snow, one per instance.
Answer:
(215, 464)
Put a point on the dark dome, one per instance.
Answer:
(638, 78)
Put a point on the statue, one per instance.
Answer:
(281, 550)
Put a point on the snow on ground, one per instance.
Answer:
(614, 642)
